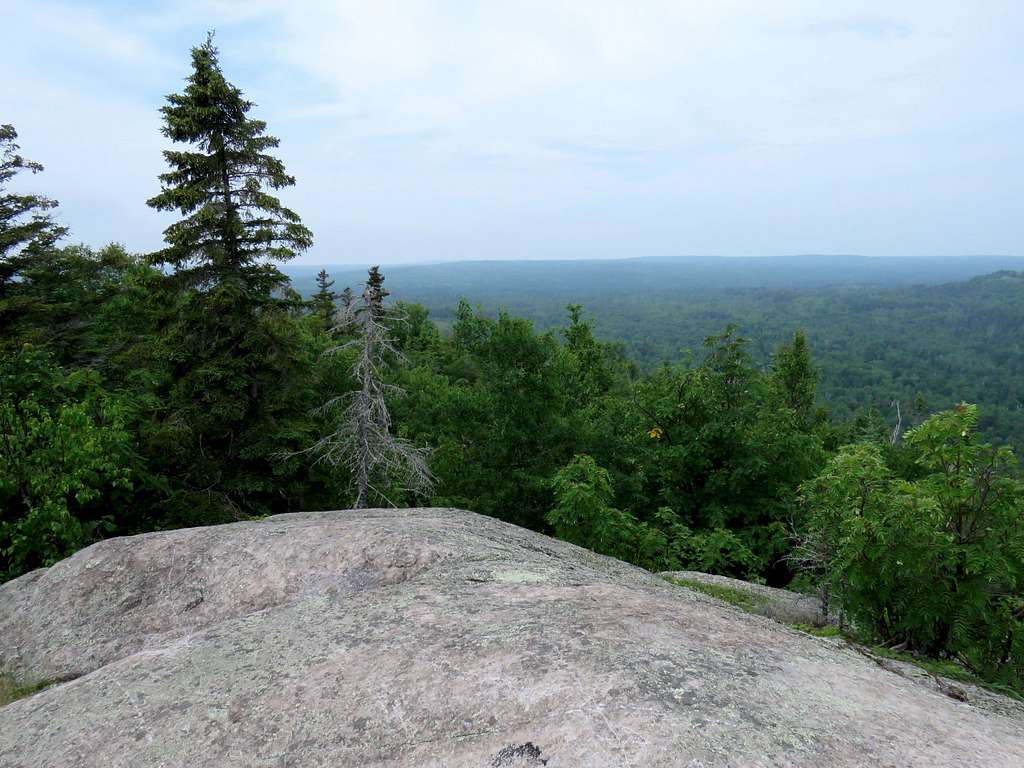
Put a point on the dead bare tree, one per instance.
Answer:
(812, 554)
(898, 431)
(362, 440)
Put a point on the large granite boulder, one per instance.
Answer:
(435, 637)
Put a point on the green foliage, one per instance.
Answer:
(323, 300)
(706, 458)
(796, 379)
(238, 389)
(89, 309)
(237, 360)
(492, 401)
(67, 461)
(583, 515)
(936, 562)
(593, 374)
(724, 551)
(24, 219)
(716, 444)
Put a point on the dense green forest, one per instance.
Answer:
(195, 385)
(883, 330)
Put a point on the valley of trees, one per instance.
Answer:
(926, 333)
(195, 386)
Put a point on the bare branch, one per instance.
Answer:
(362, 440)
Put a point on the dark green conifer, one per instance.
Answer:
(236, 363)
(796, 377)
(375, 293)
(220, 186)
(26, 227)
(323, 300)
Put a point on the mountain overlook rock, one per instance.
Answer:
(437, 637)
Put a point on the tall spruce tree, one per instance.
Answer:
(231, 222)
(235, 356)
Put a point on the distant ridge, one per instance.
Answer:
(578, 279)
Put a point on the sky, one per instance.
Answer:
(427, 131)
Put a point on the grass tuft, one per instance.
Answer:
(10, 690)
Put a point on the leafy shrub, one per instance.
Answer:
(65, 455)
(724, 552)
(583, 515)
(936, 562)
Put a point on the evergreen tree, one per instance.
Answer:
(374, 294)
(26, 226)
(231, 222)
(323, 300)
(236, 358)
(796, 378)
(593, 376)
(86, 307)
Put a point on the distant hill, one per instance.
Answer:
(505, 283)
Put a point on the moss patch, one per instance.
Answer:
(12, 691)
(826, 631)
(743, 600)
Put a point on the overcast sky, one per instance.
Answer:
(449, 130)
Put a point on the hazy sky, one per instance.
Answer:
(439, 130)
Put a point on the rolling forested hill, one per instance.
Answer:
(925, 332)
(519, 283)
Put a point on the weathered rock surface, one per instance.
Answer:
(779, 604)
(436, 637)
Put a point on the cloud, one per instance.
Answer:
(863, 26)
(431, 129)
